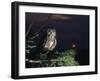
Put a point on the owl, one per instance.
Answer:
(50, 41)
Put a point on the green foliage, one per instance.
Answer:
(67, 61)
(70, 52)
(66, 58)
(58, 59)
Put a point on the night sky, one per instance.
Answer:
(72, 31)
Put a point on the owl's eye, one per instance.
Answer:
(49, 32)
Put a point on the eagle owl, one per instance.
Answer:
(50, 41)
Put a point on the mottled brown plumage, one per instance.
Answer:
(50, 41)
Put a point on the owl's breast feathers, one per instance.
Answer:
(50, 44)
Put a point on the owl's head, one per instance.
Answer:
(51, 33)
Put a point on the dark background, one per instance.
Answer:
(72, 31)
